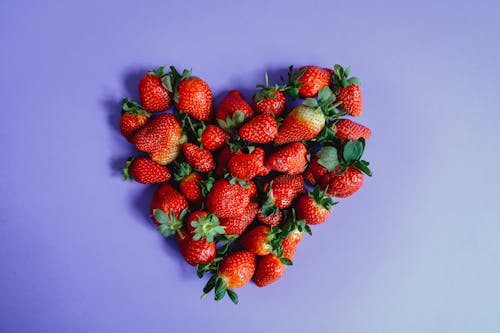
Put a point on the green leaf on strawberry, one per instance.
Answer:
(328, 158)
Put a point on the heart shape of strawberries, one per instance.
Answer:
(238, 187)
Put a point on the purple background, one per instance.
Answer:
(416, 250)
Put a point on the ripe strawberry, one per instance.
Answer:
(167, 209)
(236, 225)
(190, 183)
(192, 95)
(308, 80)
(198, 158)
(161, 138)
(244, 166)
(260, 154)
(281, 193)
(272, 220)
(348, 90)
(233, 110)
(133, 117)
(252, 190)
(269, 100)
(290, 244)
(346, 129)
(213, 137)
(195, 252)
(144, 170)
(314, 171)
(303, 123)
(260, 129)
(224, 156)
(290, 159)
(226, 200)
(343, 185)
(269, 269)
(314, 207)
(258, 240)
(153, 91)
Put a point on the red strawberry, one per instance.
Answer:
(303, 123)
(269, 269)
(190, 183)
(244, 166)
(343, 185)
(161, 138)
(257, 240)
(196, 252)
(153, 91)
(252, 190)
(290, 244)
(226, 200)
(281, 193)
(260, 129)
(272, 220)
(144, 170)
(314, 171)
(233, 110)
(236, 225)
(198, 158)
(213, 138)
(314, 207)
(261, 155)
(224, 156)
(290, 159)
(308, 80)
(346, 129)
(348, 90)
(167, 209)
(192, 95)
(269, 100)
(133, 117)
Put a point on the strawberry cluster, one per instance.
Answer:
(238, 187)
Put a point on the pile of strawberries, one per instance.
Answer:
(232, 183)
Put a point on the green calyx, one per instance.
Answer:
(169, 224)
(167, 78)
(268, 208)
(211, 267)
(131, 107)
(292, 88)
(328, 158)
(183, 170)
(340, 77)
(326, 103)
(207, 227)
(207, 184)
(352, 151)
(266, 91)
(232, 122)
(321, 198)
(218, 284)
(126, 169)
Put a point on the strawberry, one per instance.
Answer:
(234, 271)
(153, 91)
(189, 183)
(133, 117)
(281, 192)
(290, 244)
(348, 90)
(258, 240)
(272, 220)
(307, 120)
(233, 110)
(260, 154)
(269, 100)
(198, 158)
(192, 95)
(346, 129)
(213, 137)
(269, 269)
(314, 171)
(224, 156)
(161, 138)
(260, 129)
(143, 170)
(236, 225)
(308, 80)
(195, 252)
(227, 200)
(252, 190)
(314, 207)
(244, 166)
(290, 159)
(342, 185)
(167, 209)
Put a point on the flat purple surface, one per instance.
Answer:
(416, 250)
